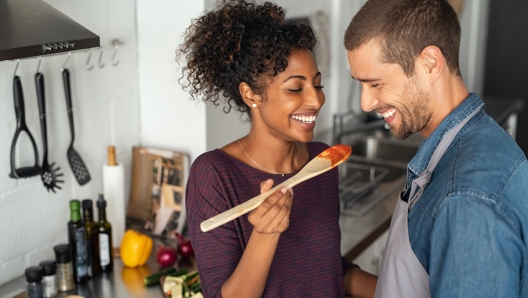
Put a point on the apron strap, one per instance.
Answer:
(420, 183)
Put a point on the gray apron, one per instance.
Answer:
(401, 273)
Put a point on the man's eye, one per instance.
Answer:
(374, 85)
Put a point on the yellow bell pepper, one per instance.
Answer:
(135, 248)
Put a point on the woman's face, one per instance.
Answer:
(293, 99)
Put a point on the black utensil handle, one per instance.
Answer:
(12, 159)
(20, 109)
(67, 93)
(41, 99)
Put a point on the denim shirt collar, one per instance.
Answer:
(420, 161)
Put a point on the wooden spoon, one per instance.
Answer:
(326, 160)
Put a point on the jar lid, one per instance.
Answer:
(50, 267)
(34, 274)
(62, 253)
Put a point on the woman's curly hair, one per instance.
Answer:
(238, 41)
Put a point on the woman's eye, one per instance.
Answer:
(295, 90)
(319, 86)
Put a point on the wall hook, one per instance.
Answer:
(67, 58)
(88, 66)
(38, 65)
(116, 43)
(101, 64)
(16, 67)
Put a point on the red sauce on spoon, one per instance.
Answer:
(336, 154)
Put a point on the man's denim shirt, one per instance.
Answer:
(470, 227)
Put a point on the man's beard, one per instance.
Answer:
(415, 114)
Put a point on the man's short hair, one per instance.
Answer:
(404, 28)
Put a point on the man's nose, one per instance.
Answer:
(369, 100)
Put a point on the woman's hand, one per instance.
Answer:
(273, 215)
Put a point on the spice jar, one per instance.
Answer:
(34, 282)
(64, 267)
(49, 278)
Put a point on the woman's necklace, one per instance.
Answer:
(273, 172)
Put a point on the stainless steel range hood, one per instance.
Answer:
(31, 28)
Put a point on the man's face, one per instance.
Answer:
(386, 89)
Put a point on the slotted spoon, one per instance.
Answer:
(50, 176)
(326, 160)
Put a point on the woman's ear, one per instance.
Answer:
(250, 98)
(432, 62)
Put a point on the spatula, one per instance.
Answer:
(80, 171)
(326, 160)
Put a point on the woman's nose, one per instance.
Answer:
(315, 98)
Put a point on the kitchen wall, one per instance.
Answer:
(106, 112)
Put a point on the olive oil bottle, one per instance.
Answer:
(105, 237)
(78, 242)
(92, 232)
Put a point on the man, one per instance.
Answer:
(460, 227)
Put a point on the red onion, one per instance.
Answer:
(166, 256)
(185, 249)
(184, 246)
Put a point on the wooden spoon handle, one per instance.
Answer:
(239, 210)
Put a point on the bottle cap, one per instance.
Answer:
(34, 274)
(101, 203)
(62, 253)
(50, 267)
(87, 204)
(75, 205)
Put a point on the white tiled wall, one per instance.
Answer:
(106, 112)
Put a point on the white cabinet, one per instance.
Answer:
(370, 259)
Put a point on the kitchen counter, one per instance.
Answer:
(121, 282)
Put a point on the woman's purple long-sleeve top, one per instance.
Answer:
(307, 262)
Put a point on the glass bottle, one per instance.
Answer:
(65, 278)
(105, 237)
(49, 278)
(92, 233)
(34, 282)
(78, 242)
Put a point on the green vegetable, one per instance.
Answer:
(191, 275)
(179, 272)
(154, 278)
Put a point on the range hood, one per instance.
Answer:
(30, 28)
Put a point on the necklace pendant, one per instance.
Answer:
(282, 174)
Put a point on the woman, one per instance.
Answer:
(286, 247)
